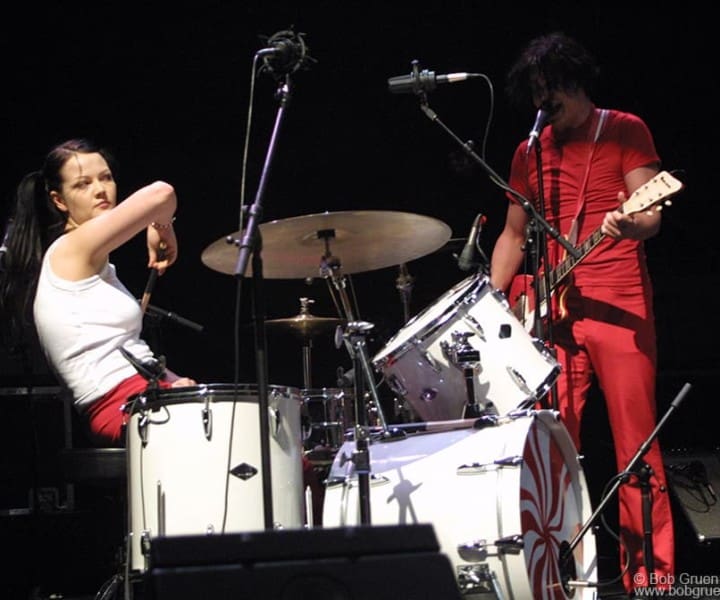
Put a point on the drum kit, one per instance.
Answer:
(498, 477)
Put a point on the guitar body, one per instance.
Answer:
(521, 295)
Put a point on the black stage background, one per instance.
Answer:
(168, 90)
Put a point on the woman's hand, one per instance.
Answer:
(162, 247)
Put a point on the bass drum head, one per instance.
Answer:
(505, 501)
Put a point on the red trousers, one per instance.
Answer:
(611, 334)
(106, 417)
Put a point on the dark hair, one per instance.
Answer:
(32, 226)
(561, 61)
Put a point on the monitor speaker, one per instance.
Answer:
(354, 563)
(694, 479)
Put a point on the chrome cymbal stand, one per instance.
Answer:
(353, 335)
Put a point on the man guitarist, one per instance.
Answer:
(591, 160)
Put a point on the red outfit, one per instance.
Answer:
(610, 329)
(106, 417)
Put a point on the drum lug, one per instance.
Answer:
(207, 421)
(428, 358)
(519, 381)
(396, 386)
(142, 428)
(145, 545)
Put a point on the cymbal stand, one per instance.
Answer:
(353, 335)
(307, 346)
(404, 285)
(331, 268)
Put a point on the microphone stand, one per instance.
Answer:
(495, 178)
(161, 313)
(542, 292)
(643, 472)
(252, 244)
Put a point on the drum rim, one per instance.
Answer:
(471, 283)
(210, 392)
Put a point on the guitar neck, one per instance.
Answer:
(559, 273)
(646, 198)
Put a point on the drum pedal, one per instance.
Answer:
(478, 581)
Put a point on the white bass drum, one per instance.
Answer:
(505, 500)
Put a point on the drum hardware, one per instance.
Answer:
(300, 247)
(306, 326)
(472, 469)
(354, 337)
(473, 551)
(366, 241)
(183, 482)
(425, 362)
(466, 358)
(479, 550)
(404, 285)
(206, 416)
(539, 491)
(537, 222)
(475, 580)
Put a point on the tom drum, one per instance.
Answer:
(468, 335)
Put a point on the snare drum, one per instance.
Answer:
(505, 501)
(195, 463)
(470, 327)
(326, 415)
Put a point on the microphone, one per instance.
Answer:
(285, 53)
(424, 81)
(540, 121)
(151, 370)
(466, 260)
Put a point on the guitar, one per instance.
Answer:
(648, 197)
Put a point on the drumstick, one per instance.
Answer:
(152, 279)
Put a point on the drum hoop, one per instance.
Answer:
(433, 326)
(206, 392)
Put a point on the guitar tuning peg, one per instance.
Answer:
(658, 208)
(668, 202)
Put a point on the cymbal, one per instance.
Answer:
(305, 324)
(294, 248)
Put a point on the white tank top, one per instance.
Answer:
(81, 326)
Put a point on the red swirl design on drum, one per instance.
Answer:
(546, 512)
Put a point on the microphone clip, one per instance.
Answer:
(285, 52)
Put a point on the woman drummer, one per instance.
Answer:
(66, 222)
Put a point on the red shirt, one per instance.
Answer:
(624, 144)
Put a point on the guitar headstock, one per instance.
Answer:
(654, 194)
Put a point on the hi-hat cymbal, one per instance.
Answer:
(294, 248)
(305, 324)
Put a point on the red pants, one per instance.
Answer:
(106, 417)
(612, 334)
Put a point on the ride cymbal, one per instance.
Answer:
(354, 241)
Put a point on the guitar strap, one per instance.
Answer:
(574, 227)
